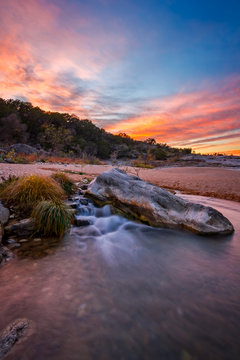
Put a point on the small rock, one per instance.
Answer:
(14, 246)
(4, 214)
(84, 201)
(73, 205)
(12, 334)
(37, 240)
(5, 255)
(75, 198)
(24, 227)
(12, 216)
(73, 211)
(11, 241)
(84, 187)
(23, 240)
(81, 221)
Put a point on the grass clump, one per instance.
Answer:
(5, 182)
(28, 191)
(52, 218)
(65, 182)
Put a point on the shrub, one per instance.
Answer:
(52, 218)
(64, 181)
(160, 154)
(27, 191)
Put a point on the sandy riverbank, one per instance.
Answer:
(221, 183)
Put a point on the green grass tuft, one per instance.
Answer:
(52, 218)
(65, 182)
(27, 191)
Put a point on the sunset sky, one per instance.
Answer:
(168, 69)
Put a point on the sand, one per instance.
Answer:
(223, 183)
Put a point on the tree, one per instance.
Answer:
(12, 130)
(160, 154)
(150, 141)
(56, 139)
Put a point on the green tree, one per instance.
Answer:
(12, 130)
(56, 139)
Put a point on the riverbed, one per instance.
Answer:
(116, 289)
(223, 183)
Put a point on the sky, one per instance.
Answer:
(167, 69)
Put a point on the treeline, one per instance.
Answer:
(67, 135)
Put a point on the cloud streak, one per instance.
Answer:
(189, 119)
(47, 60)
(64, 59)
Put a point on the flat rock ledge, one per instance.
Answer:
(154, 205)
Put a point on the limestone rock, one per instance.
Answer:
(5, 254)
(156, 206)
(23, 149)
(13, 334)
(24, 228)
(81, 221)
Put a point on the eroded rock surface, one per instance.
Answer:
(24, 227)
(5, 254)
(23, 149)
(154, 205)
(12, 334)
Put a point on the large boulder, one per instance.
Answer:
(154, 205)
(23, 149)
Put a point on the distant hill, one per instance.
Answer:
(67, 135)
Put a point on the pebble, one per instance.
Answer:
(23, 240)
(37, 239)
(11, 241)
(73, 205)
(84, 201)
(14, 246)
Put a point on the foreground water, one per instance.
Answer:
(121, 290)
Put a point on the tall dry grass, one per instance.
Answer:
(26, 192)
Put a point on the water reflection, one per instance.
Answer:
(120, 290)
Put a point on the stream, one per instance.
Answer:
(116, 289)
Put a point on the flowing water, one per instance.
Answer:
(116, 289)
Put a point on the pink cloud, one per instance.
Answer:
(39, 43)
(189, 119)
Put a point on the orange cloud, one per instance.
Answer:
(54, 59)
(201, 120)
